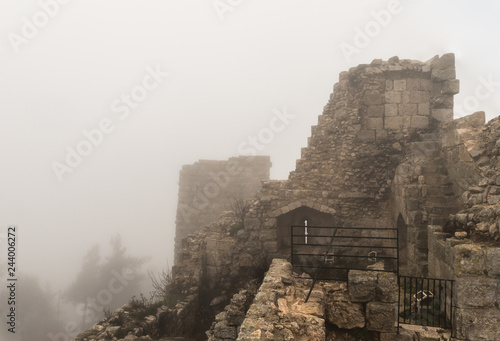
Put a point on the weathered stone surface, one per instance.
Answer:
(391, 110)
(476, 292)
(387, 287)
(339, 310)
(493, 261)
(469, 259)
(381, 316)
(477, 324)
(373, 98)
(451, 87)
(439, 75)
(362, 285)
(442, 115)
(395, 123)
(280, 312)
(419, 122)
(224, 331)
(392, 97)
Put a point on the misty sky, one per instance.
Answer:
(98, 64)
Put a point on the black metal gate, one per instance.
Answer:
(328, 253)
(425, 302)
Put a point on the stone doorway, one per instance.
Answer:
(299, 217)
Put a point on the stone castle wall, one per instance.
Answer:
(206, 189)
(370, 125)
(385, 153)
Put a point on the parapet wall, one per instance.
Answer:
(206, 189)
(279, 311)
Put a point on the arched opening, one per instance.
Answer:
(302, 216)
(403, 241)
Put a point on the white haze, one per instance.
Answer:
(226, 79)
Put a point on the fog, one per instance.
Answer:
(144, 87)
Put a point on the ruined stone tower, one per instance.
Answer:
(206, 189)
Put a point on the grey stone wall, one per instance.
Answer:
(476, 271)
(206, 188)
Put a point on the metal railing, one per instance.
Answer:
(353, 248)
(425, 302)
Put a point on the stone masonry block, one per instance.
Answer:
(406, 122)
(381, 316)
(400, 85)
(477, 324)
(362, 285)
(442, 115)
(393, 122)
(469, 259)
(419, 122)
(391, 110)
(420, 96)
(426, 84)
(408, 109)
(439, 75)
(446, 61)
(423, 109)
(374, 123)
(476, 292)
(375, 111)
(493, 261)
(373, 98)
(389, 85)
(406, 97)
(387, 287)
(413, 84)
(442, 101)
(393, 96)
(451, 87)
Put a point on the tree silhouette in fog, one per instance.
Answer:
(36, 311)
(105, 284)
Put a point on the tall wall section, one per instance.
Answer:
(206, 189)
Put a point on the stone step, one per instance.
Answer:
(421, 333)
